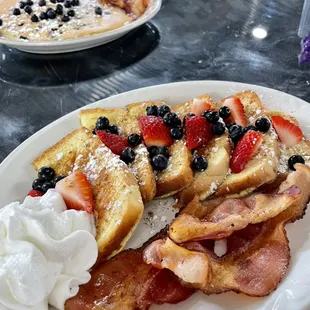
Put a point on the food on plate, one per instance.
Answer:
(46, 252)
(44, 20)
(238, 172)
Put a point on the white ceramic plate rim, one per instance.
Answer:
(16, 174)
(151, 11)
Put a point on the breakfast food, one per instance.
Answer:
(44, 20)
(238, 172)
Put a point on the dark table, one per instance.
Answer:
(187, 40)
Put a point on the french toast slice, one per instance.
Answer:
(141, 166)
(118, 202)
(178, 174)
(263, 167)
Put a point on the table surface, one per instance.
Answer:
(187, 40)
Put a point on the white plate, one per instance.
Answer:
(73, 45)
(16, 175)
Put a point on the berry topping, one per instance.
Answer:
(200, 163)
(250, 127)
(102, 123)
(187, 115)
(57, 179)
(53, 1)
(59, 9)
(211, 116)
(35, 193)
(59, 1)
(29, 2)
(163, 110)
(245, 149)
(16, 11)
(172, 120)
(71, 13)
(228, 125)
(28, 9)
(65, 18)
(98, 10)
(237, 110)
(289, 133)
(112, 129)
(295, 159)
(224, 112)
(76, 192)
(37, 184)
(154, 150)
(22, 4)
(218, 129)
(75, 2)
(154, 131)
(46, 173)
(159, 162)
(42, 2)
(235, 133)
(43, 15)
(47, 185)
(198, 132)
(176, 133)
(1, 22)
(152, 110)
(34, 18)
(262, 124)
(51, 14)
(128, 155)
(199, 106)
(94, 131)
(114, 142)
(134, 139)
(67, 4)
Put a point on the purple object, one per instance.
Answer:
(305, 50)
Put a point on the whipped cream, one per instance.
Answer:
(45, 252)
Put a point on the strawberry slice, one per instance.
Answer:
(114, 142)
(245, 149)
(198, 131)
(154, 131)
(237, 110)
(289, 133)
(76, 192)
(199, 106)
(35, 193)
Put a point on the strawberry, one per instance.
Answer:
(245, 150)
(154, 131)
(199, 106)
(198, 131)
(35, 193)
(289, 133)
(76, 192)
(237, 110)
(114, 142)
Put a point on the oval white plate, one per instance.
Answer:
(73, 45)
(16, 175)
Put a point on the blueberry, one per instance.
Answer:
(59, 9)
(159, 162)
(250, 127)
(51, 14)
(112, 129)
(46, 173)
(94, 131)
(68, 4)
(155, 150)
(98, 10)
(224, 112)
(57, 179)
(71, 13)
(211, 116)
(47, 185)
(152, 110)
(65, 18)
(163, 110)
(60, 1)
(128, 155)
(34, 18)
(102, 123)
(262, 124)
(235, 133)
(176, 133)
(37, 184)
(294, 160)
(28, 9)
(42, 3)
(16, 12)
(230, 125)
(187, 115)
(53, 1)
(22, 4)
(75, 2)
(218, 128)
(172, 120)
(43, 15)
(200, 163)
(29, 2)
(134, 139)
(1, 22)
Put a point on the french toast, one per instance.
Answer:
(118, 202)
(178, 174)
(263, 167)
(127, 125)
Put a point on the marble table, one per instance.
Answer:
(252, 41)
